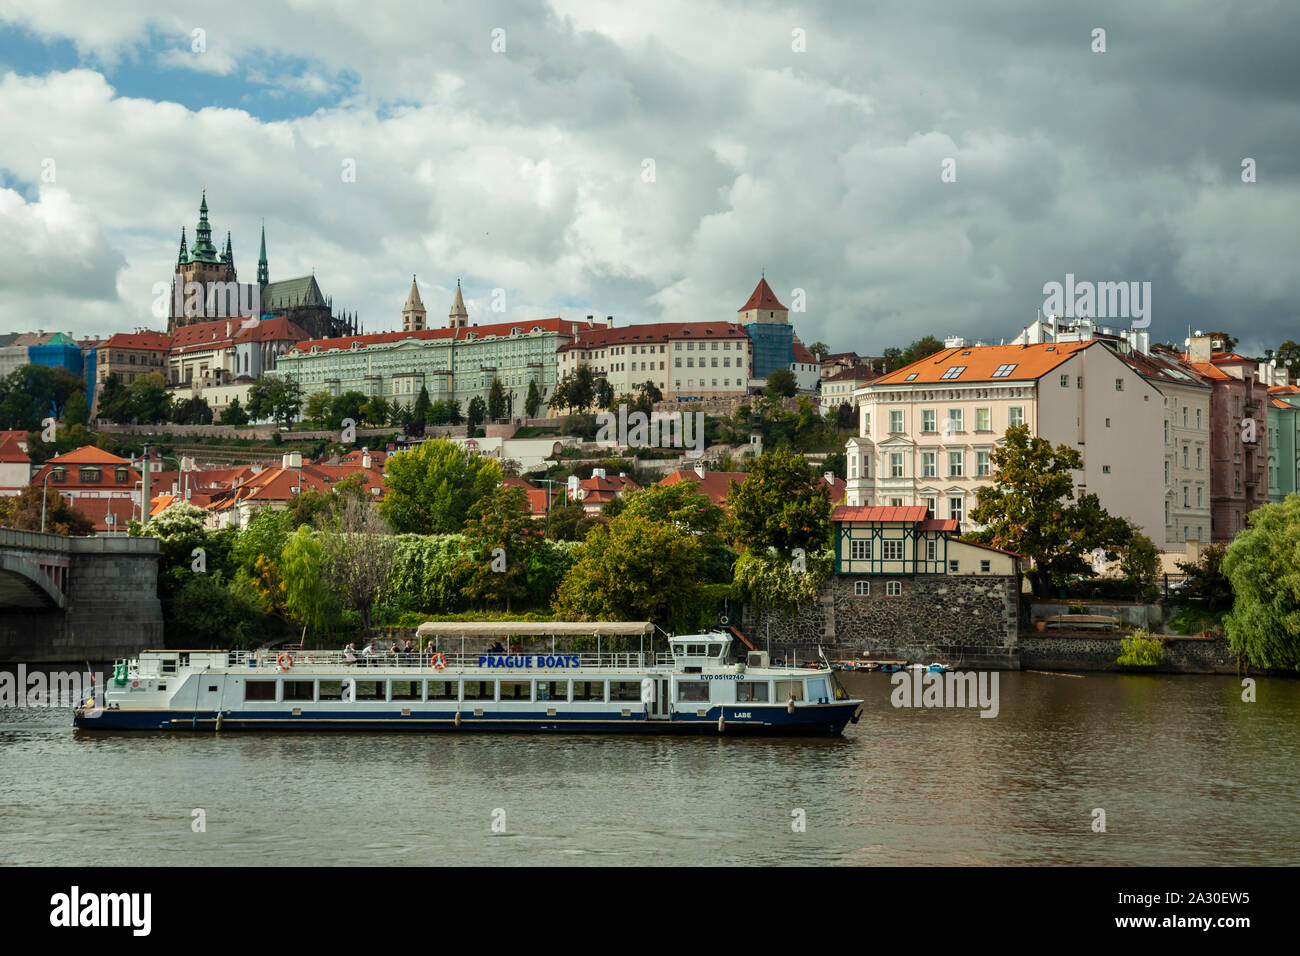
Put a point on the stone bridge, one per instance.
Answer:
(77, 599)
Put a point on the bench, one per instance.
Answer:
(1083, 622)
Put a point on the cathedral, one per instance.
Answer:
(299, 300)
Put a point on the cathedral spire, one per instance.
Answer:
(413, 313)
(263, 276)
(180, 260)
(458, 317)
(204, 250)
(228, 257)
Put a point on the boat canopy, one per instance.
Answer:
(531, 628)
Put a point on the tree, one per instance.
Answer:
(1207, 585)
(781, 505)
(604, 392)
(782, 383)
(234, 414)
(636, 569)
(650, 392)
(846, 416)
(1025, 510)
(31, 393)
(568, 520)
(1140, 562)
(1288, 356)
(275, 397)
(1229, 341)
(357, 552)
(347, 405)
(148, 400)
(375, 412)
(192, 411)
(1263, 565)
(22, 512)
(477, 414)
(533, 401)
(819, 349)
(302, 570)
(318, 407)
(76, 411)
(496, 401)
(576, 390)
(500, 538)
(432, 486)
(420, 411)
(114, 400)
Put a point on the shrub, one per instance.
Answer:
(1141, 650)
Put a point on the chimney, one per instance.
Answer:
(830, 477)
(366, 460)
(572, 485)
(699, 469)
(1199, 348)
(598, 472)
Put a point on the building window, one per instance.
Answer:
(931, 549)
(952, 567)
(861, 588)
(1184, 416)
(1015, 416)
(1166, 511)
(1187, 495)
(929, 507)
(859, 550)
(983, 420)
(895, 422)
(1065, 381)
(893, 588)
(1003, 371)
(955, 508)
(982, 468)
(928, 425)
(1199, 499)
(1119, 385)
(891, 550)
(1166, 431)
(1198, 419)
(895, 465)
(1166, 471)
(986, 566)
(955, 416)
(953, 371)
(956, 464)
(928, 469)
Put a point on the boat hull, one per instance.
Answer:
(807, 720)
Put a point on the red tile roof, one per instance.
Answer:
(715, 485)
(938, 524)
(88, 455)
(97, 509)
(981, 361)
(11, 454)
(156, 341)
(802, 355)
(762, 298)
(653, 332)
(909, 513)
(856, 374)
(225, 332)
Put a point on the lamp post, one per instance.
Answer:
(548, 482)
(45, 490)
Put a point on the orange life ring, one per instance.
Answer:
(437, 662)
(284, 661)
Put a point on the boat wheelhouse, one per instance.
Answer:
(451, 685)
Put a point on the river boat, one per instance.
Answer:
(694, 688)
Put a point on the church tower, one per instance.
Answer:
(263, 274)
(413, 313)
(203, 265)
(458, 317)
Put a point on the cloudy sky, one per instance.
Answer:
(649, 160)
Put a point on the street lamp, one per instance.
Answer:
(45, 490)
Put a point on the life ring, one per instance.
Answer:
(437, 662)
(284, 661)
(724, 620)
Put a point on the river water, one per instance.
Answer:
(1185, 771)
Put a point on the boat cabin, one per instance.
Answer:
(695, 651)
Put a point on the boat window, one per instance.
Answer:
(516, 690)
(405, 690)
(625, 690)
(588, 690)
(169, 665)
(480, 690)
(747, 692)
(369, 690)
(694, 650)
(331, 690)
(259, 690)
(442, 690)
(299, 690)
(693, 690)
(552, 690)
(715, 650)
(789, 690)
(818, 689)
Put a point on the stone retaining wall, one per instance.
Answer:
(1097, 652)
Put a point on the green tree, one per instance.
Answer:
(604, 392)
(357, 550)
(1263, 565)
(650, 392)
(317, 409)
(431, 487)
(781, 505)
(576, 390)
(1288, 356)
(76, 411)
(192, 411)
(347, 405)
(819, 349)
(782, 383)
(635, 569)
(533, 401)
(114, 401)
(496, 402)
(1027, 509)
(500, 538)
(420, 412)
(1140, 562)
(275, 397)
(477, 414)
(148, 400)
(1207, 585)
(208, 612)
(22, 512)
(302, 570)
(568, 520)
(234, 414)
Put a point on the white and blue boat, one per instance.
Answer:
(695, 688)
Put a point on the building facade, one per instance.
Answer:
(767, 322)
(1283, 441)
(683, 359)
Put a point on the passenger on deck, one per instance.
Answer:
(496, 648)
(367, 653)
(409, 648)
(350, 653)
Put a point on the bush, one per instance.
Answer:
(1141, 650)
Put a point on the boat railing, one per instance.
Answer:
(427, 661)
